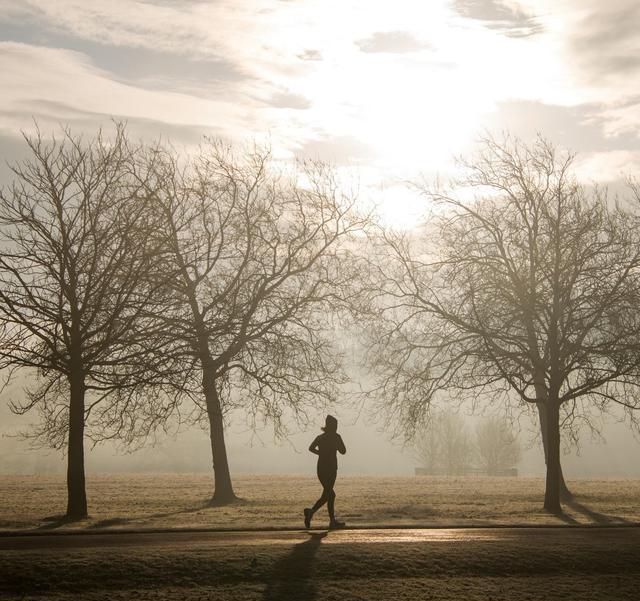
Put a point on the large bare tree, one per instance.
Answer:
(260, 259)
(74, 246)
(524, 288)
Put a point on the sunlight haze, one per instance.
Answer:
(391, 89)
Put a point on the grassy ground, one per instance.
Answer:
(172, 500)
(313, 568)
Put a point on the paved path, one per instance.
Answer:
(597, 536)
(453, 564)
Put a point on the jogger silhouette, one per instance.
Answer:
(325, 447)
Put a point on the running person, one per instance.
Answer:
(325, 447)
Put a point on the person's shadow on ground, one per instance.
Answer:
(291, 578)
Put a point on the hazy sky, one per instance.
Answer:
(383, 89)
(390, 88)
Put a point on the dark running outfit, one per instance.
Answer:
(327, 444)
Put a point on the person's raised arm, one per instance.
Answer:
(341, 448)
(313, 447)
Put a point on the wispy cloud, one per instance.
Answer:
(288, 100)
(505, 17)
(310, 54)
(180, 29)
(392, 42)
(605, 42)
(343, 150)
(623, 118)
(610, 167)
(51, 83)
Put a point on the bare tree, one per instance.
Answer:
(497, 447)
(524, 289)
(443, 446)
(260, 261)
(73, 236)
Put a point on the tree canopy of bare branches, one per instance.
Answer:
(73, 238)
(524, 288)
(259, 262)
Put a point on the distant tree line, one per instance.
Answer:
(140, 285)
(446, 446)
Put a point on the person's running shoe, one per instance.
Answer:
(307, 518)
(335, 524)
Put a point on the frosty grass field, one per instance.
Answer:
(316, 566)
(178, 500)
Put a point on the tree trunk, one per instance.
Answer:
(76, 491)
(223, 489)
(552, 487)
(565, 493)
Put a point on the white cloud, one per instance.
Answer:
(598, 41)
(397, 42)
(622, 119)
(608, 167)
(37, 77)
(132, 23)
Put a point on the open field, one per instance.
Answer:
(567, 564)
(177, 500)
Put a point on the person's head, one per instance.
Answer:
(330, 424)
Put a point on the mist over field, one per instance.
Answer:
(369, 452)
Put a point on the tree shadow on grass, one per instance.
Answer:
(585, 511)
(117, 521)
(109, 522)
(567, 519)
(58, 521)
(291, 577)
(596, 517)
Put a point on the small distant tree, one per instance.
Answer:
(497, 447)
(444, 445)
(428, 451)
(74, 247)
(260, 262)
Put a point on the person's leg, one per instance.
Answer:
(320, 502)
(331, 497)
(322, 476)
(328, 480)
(330, 505)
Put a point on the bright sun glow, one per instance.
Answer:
(394, 89)
(404, 111)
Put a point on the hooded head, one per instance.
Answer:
(330, 424)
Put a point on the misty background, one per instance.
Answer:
(369, 450)
(378, 97)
